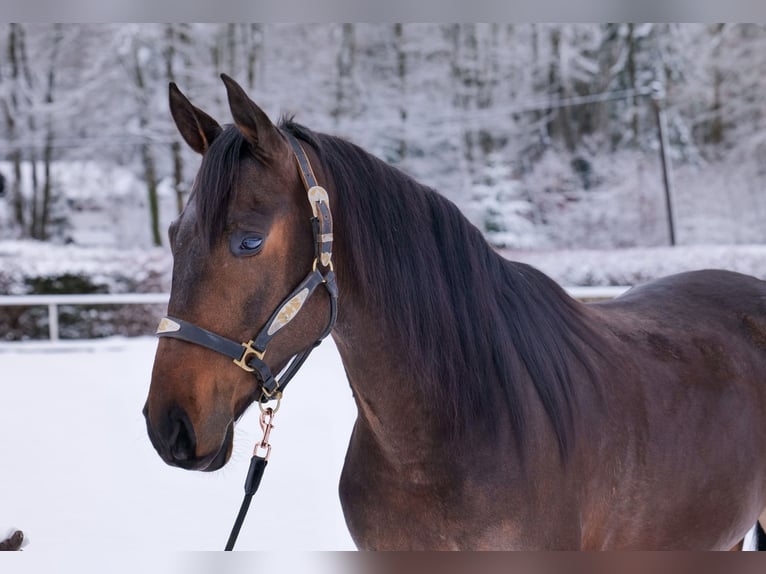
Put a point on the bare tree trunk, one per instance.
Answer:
(150, 176)
(34, 222)
(401, 71)
(147, 157)
(716, 124)
(48, 151)
(172, 37)
(465, 64)
(11, 113)
(254, 53)
(231, 46)
(630, 65)
(44, 215)
(26, 72)
(178, 176)
(345, 66)
(560, 124)
(30, 215)
(16, 194)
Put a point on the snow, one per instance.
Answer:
(80, 474)
(588, 267)
(449, 103)
(112, 269)
(101, 203)
(79, 470)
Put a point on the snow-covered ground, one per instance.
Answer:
(79, 474)
(80, 477)
(639, 264)
(126, 269)
(78, 471)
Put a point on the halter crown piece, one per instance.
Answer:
(249, 354)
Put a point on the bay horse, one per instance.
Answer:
(494, 411)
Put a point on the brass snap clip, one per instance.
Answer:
(267, 418)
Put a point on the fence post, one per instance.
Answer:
(658, 100)
(53, 321)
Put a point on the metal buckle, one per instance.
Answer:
(249, 350)
(270, 395)
(276, 394)
(316, 264)
(318, 194)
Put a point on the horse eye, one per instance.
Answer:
(251, 244)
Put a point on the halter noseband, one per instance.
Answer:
(249, 355)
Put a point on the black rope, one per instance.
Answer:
(252, 482)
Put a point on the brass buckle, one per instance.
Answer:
(317, 195)
(270, 395)
(328, 264)
(276, 393)
(249, 350)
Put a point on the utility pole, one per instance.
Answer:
(658, 101)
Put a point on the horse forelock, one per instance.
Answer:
(216, 182)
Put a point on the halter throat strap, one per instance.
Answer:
(249, 354)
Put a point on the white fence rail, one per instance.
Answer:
(54, 301)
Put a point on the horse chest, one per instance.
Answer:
(394, 515)
(388, 508)
(432, 506)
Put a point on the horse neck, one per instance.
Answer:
(381, 372)
(386, 303)
(434, 326)
(394, 412)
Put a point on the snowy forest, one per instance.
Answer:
(89, 154)
(545, 135)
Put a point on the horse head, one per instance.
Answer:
(241, 245)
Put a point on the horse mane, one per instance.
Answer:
(217, 176)
(473, 325)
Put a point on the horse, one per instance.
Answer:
(493, 410)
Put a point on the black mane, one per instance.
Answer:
(474, 326)
(467, 317)
(217, 176)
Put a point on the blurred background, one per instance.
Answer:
(546, 135)
(538, 131)
(549, 137)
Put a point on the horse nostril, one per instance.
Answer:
(181, 442)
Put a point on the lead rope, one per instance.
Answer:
(255, 472)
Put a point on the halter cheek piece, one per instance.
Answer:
(249, 355)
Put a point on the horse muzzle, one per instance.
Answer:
(174, 439)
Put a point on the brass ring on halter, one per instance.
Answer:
(316, 263)
(265, 397)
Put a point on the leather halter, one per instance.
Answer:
(249, 354)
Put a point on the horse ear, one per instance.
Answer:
(251, 120)
(197, 128)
